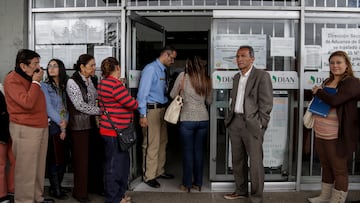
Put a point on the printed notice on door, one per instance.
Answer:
(345, 39)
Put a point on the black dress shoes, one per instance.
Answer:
(153, 183)
(166, 176)
(48, 200)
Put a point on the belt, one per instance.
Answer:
(155, 105)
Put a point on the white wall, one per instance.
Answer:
(13, 32)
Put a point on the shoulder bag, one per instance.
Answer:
(172, 112)
(308, 118)
(126, 137)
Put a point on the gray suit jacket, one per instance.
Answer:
(258, 101)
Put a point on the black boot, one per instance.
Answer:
(55, 188)
(61, 177)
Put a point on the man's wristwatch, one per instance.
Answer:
(142, 115)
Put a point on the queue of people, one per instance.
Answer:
(34, 140)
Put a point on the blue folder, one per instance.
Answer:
(318, 106)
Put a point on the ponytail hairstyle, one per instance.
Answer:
(83, 60)
(108, 66)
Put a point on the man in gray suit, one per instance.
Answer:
(250, 104)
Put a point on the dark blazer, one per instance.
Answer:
(258, 101)
(4, 120)
(345, 102)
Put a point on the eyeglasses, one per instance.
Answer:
(52, 66)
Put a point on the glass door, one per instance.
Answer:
(275, 42)
(145, 39)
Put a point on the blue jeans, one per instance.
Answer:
(117, 168)
(193, 135)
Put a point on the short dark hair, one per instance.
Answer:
(251, 50)
(167, 48)
(25, 56)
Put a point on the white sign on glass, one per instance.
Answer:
(311, 79)
(223, 79)
(276, 137)
(134, 78)
(345, 39)
(312, 57)
(284, 79)
(227, 45)
(282, 46)
(102, 52)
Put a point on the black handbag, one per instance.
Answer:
(54, 128)
(126, 137)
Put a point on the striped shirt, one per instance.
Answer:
(118, 103)
(327, 128)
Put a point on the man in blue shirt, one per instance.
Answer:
(152, 103)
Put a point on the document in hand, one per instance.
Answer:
(319, 107)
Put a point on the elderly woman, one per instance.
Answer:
(82, 109)
(116, 100)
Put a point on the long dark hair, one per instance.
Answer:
(62, 74)
(198, 77)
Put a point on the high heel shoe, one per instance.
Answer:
(184, 188)
(195, 187)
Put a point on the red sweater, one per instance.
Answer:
(119, 104)
(25, 101)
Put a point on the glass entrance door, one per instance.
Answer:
(145, 39)
(275, 42)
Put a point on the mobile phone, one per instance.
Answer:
(37, 70)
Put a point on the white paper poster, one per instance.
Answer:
(345, 39)
(102, 52)
(134, 78)
(312, 57)
(227, 45)
(282, 46)
(276, 136)
(73, 53)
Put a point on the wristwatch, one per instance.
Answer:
(142, 115)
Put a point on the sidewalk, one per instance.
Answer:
(213, 197)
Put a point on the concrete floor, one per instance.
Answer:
(212, 197)
(169, 193)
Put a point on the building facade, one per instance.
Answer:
(292, 41)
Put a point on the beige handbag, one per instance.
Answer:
(308, 118)
(172, 112)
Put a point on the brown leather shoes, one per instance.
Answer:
(234, 195)
(184, 188)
